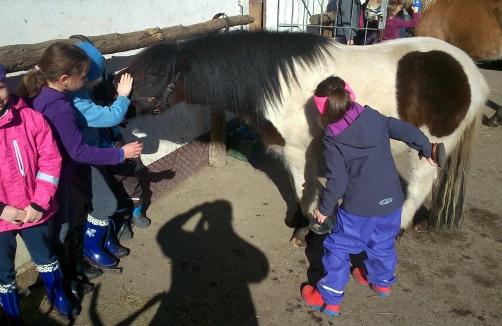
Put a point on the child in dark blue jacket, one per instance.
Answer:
(361, 172)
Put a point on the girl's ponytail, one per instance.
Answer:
(338, 98)
(31, 83)
(58, 59)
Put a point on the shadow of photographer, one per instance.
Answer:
(211, 269)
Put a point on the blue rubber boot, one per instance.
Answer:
(53, 282)
(111, 243)
(9, 301)
(95, 231)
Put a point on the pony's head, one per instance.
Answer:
(157, 73)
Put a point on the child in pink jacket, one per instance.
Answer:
(29, 175)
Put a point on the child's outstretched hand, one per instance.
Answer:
(125, 85)
(132, 150)
(13, 215)
(32, 215)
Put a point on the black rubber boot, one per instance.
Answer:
(123, 226)
(72, 286)
(86, 272)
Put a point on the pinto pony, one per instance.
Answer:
(269, 78)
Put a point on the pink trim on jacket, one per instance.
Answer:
(25, 135)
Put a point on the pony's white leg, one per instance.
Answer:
(421, 177)
(303, 177)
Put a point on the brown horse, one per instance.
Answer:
(474, 26)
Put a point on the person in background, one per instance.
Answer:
(29, 177)
(393, 24)
(346, 19)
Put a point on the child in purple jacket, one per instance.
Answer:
(63, 68)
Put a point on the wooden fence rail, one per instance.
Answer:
(21, 57)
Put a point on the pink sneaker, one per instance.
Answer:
(360, 276)
(315, 300)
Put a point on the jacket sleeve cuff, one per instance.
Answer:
(121, 159)
(37, 207)
(325, 211)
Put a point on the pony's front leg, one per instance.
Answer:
(421, 177)
(307, 187)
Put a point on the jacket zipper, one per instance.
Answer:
(20, 162)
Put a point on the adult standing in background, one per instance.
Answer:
(346, 19)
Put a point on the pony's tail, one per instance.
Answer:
(448, 191)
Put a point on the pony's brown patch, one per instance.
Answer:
(270, 135)
(432, 90)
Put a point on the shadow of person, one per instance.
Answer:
(211, 268)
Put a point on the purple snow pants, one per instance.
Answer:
(353, 234)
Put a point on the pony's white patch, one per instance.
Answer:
(138, 134)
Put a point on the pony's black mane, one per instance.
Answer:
(239, 71)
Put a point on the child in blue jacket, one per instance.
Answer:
(91, 180)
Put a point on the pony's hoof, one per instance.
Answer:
(422, 226)
(400, 234)
(490, 122)
(299, 243)
(298, 238)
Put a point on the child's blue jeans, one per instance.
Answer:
(38, 242)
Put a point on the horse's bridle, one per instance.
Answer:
(164, 97)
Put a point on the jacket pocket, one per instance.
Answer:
(20, 163)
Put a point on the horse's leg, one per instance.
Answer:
(421, 177)
(495, 120)
(306, 186)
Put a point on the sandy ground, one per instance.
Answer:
(218, 253)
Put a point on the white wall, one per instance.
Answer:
(33, 21)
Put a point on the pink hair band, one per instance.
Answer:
(320, 101)
(37, 68)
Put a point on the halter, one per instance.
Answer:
(164, 97)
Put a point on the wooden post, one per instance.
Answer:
(217, 147)
(256, 10)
